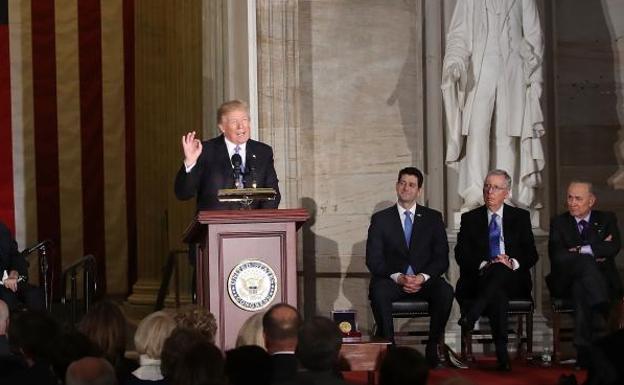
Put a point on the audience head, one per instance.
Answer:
(200, 364)
(90, 371)
(319, 344)
(71, 346)
(198, 318)
(251, 332)
(581, 198)
(152, 332)
(4, 317)
(248, 365)
(403, 365)
(34, 334)
(105, 325)
(496, 188)
(175, 346)
(280, 325)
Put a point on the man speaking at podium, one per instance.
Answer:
(231, 160)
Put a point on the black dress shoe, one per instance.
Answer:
(466, 325)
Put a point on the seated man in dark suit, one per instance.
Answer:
(14, 289)
(407, 254)
(495, 252)
(582, 247)
(280, 325)
(208, 165)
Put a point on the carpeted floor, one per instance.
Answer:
(484, 374)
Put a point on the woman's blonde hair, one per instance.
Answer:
(198, 318)
(152, 332)
(251, 333)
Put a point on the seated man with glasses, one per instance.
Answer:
(495, 252)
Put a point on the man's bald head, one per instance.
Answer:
(90, 371)
(281, 324)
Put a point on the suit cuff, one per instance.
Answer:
(587, 249)
(189, 168)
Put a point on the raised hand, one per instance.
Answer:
(192, 148)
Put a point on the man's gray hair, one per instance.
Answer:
(590, 185)
(499, 172)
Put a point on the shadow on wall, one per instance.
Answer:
(351, 292)
(315, 246)
(406, 92)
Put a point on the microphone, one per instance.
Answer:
(252, 170)
(38, 246)
(237, 161)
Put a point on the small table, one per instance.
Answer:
(365, 354)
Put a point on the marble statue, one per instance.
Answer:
(491, 85)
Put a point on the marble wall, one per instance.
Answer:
(589, 74)
(358, 74)
(588, 79)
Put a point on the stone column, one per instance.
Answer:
(168, 104)
(278, 91)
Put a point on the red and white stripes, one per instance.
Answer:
(66, 147)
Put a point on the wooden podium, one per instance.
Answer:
(246, 261)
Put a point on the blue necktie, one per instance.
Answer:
(495, 233)
(407, 231)
(583, 227)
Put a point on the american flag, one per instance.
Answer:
(67, 130)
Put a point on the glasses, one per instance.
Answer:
(493, 188)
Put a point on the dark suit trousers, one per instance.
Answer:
(436, 291)
(29, 296)
(587, 284)
(496, 284)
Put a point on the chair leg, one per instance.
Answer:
(556, 336)
(519, 333)
(469, 356)
(529, 330)
(464, 353)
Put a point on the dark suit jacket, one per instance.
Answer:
(10, 258)
(285, 367)
(386, 250)
(213, 171)
(564, 235)
(317, 378)
(473, 248)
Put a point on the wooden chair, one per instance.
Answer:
(522, 309)
(409, 308)
(560, 306)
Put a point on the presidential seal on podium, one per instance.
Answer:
(252, 285)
